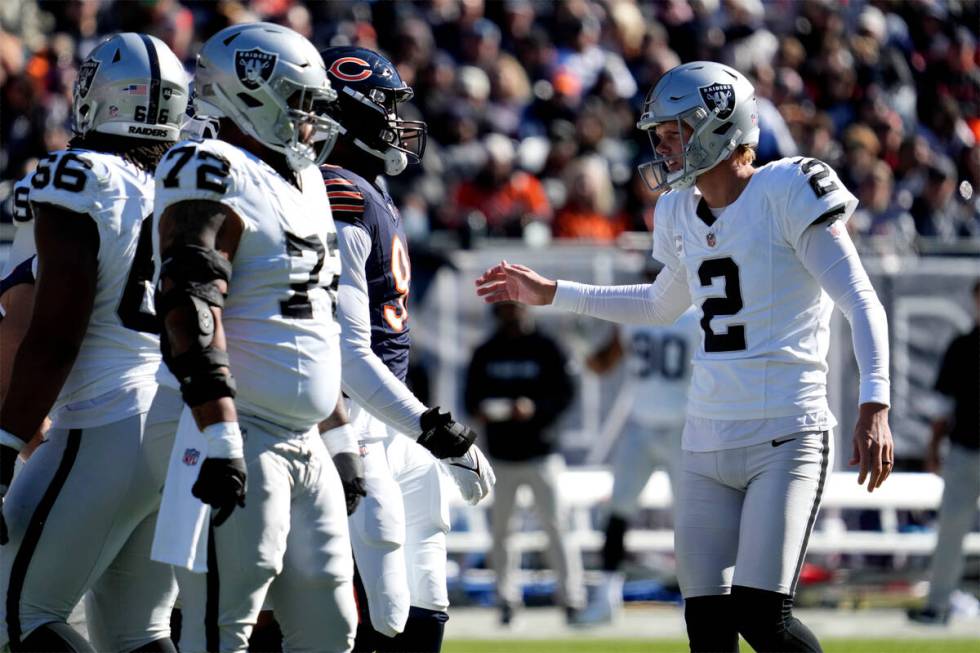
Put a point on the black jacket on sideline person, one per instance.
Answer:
(519, 361)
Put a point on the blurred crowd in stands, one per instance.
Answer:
(532, 104)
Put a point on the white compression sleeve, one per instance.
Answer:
(661, 302)
(365, 377)
(829, 255)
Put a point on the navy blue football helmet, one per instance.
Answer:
(369, 90)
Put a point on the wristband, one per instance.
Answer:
(341, 439)
(224, 440)
(8, 439)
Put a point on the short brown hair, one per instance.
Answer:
(744, 155)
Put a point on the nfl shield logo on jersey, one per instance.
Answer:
(191, 456)
(254, 67)
(721, 97)
(710, 239)
(86, 73)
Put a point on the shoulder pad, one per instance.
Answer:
(74, 180)
(347, 199)
(195, 170)
(815, 194)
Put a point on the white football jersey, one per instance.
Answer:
(283, 339)
(659, 364)
(764, 319)
(118, 196)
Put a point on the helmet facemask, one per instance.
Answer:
(397, 142)
(694, 156)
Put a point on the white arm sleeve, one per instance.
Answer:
(829, 255)
(660, 302)
(366, 378)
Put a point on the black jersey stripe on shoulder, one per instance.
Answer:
(836, 212)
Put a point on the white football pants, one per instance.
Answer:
(81, 514)
(289, 542)
(744, 515)
(399, 529)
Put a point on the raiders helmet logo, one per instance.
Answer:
(86, 73)
(721, 97)
(254, 67)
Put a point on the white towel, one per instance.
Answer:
(181, 536)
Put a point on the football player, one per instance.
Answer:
(85, 361)
(659, 370)
(17, 296)
(764, 256)
(399, 541)
(248, 267)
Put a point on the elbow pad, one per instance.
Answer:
(193, 271)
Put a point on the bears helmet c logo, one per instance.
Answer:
(363, 68)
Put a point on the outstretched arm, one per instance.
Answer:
(366, 378)
(829, 255)
(661, 302)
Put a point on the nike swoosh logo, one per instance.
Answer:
(777, 443)
(475, 470)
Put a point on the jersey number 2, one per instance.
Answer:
(730, 304)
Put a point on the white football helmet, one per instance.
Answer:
(718, 104)
(269, 81)
(130, 85)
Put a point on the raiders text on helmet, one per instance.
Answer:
(369, 91)
(131, 85)
(716, 102)
(269, 81)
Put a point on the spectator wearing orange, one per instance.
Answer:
(588, 211)
(501, 196)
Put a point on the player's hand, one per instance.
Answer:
(509, 282)
(221, 484)
(8, 457)
(443, 436)
(473, 475)
(350, 467)
(873, 446)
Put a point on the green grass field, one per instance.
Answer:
(660, 646)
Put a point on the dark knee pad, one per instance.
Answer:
(711, 624)
(765, 619)
(54, 637)
(614, 548)
(423, 633)
(164, 645)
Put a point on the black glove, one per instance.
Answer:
(221, 485)
(8, 456)
(351, 470)
(444, 437)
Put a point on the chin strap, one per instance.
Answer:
(395, 160)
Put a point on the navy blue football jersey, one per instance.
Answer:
(354, 200)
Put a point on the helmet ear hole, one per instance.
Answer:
(83, 110)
